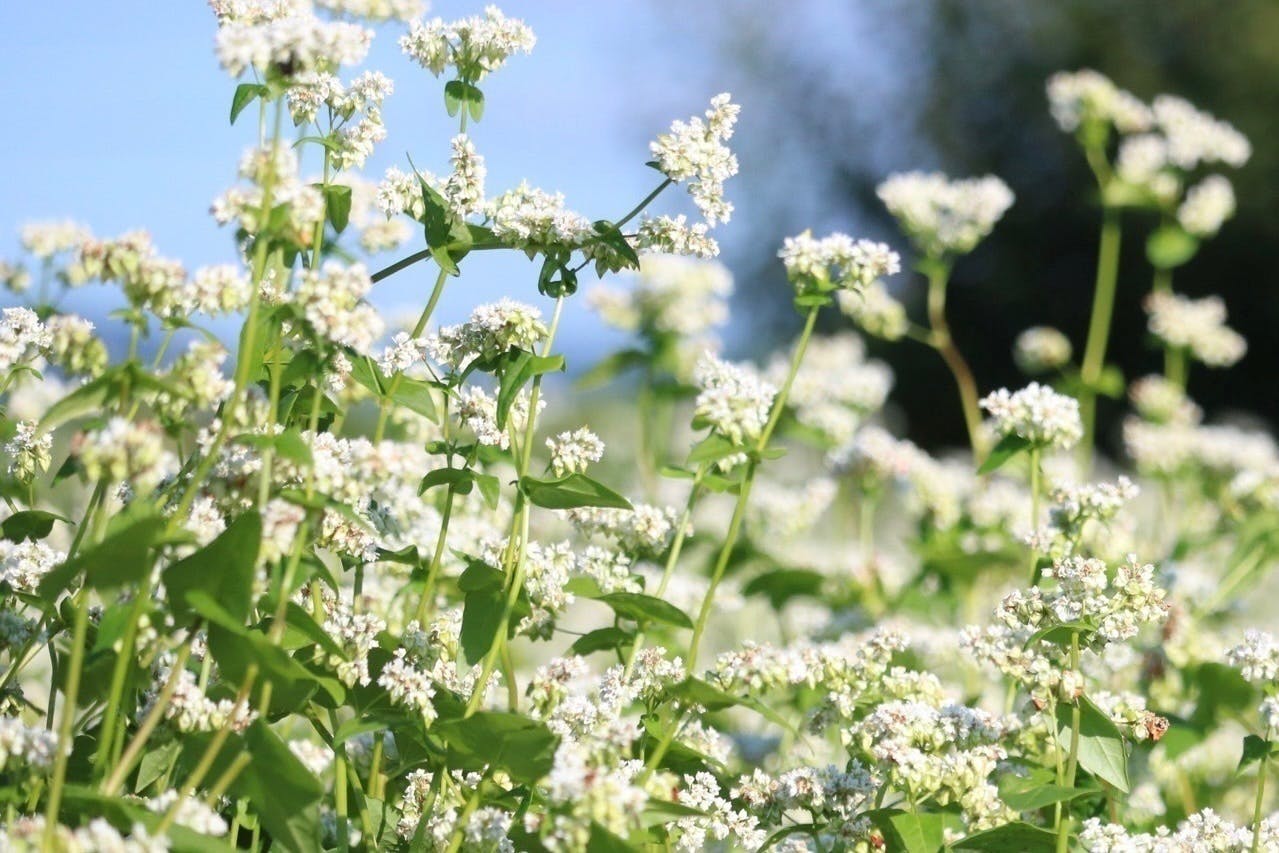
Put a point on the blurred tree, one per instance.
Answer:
(846, 93)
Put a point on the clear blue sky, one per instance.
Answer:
(118, 118)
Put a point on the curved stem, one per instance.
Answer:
(944, 343)
(70, 693)
(1103, 307)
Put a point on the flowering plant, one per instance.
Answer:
(359, 587)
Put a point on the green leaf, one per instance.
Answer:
(610, 367)
(223, 569)
(481, 620)
(712, 449)
(604, 840)
(517, 373)
(571, 492)
(284, 793)
(1221, 691)
(645, 608)
(122, 557)
(416, 395)
(234, 652)
(33, 524)
(461, 479)
(1254, 749)
(524, 748)
(781, 585)
(1039, 796)
(1170, 246)
(600, 640)
(1016, 837)
(697, 692)
(245, 94)
(88, 398)
(1008, 447)
(337, 205)
(911, 832)
(1101, 744)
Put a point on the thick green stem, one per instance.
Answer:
(1103, 308)
(1259, 804)
(1036, 485)
(944, 343)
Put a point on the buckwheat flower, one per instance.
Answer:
(292, 44)
(332, 300)
(1038, 414)
(836, 262)
(191, 813)
(572, 452)
(694, 152)
(477, 409)
(1157, 399)
(1256, 658)
(23, 564)
(473, 46)
(644, 529)
(1197, 326)
(529, 218)
(1195, 137)
(1041, 349)
(674, 236)
(464, 187)
(944, 216)
(14, 277)
(1082, 97)
(46, 239)
(26, 747)
(124, 451)
(27, 835)
(317, 758)
(22, 337)
(190, 710)
(30, 451)
(1142, 163)
(734, 400)
(875, 310)
(609, 569)
(1208, 205)
(376, 10)
(670, 295)
(1073, 505)
(1204, 830)
(400, 192)
(492, 330)
(409, 686)
(74, 347)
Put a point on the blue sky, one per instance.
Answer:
(119, 119)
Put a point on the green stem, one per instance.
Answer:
(124, 766)
(1072, 762)
(1036, 485)
(1103, 308)
(71, 692)
(744, 491)
(944, 343)
(513, 562)
(1262, 772)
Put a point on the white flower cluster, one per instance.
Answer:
(30, 451)
(1208, 205)
(1197, 326)
(573, 452)
(671, 295)
(645, 529)
(25, 747)
(302, 202)
(1036, 413)
(22, 337)
(875, 310)
(26, 835)
(46, 239)
(530, 218)
(1082, 97)
(1086, 595)
(835, 387)
(23, 564)
(1203, 830)
(332, 301)
(1041, 349)
(191, 813)
(1256, 658)
(1158, 399)
(734, 401)
(673, 235)
(492, 330)
(837, 261)
(1196, 138)
(1074, 505)
(944, 216)
(407, 685)
(190, 710)
(290, 43)
(473, 46)
(694, 152)
(124, 451)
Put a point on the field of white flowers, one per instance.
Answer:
(343, 588)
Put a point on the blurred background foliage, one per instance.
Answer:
(836, 96)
